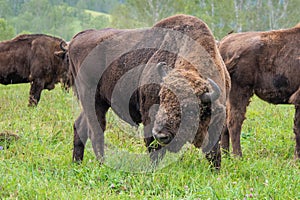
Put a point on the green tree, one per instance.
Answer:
(291, 15)
(95, 22)
(144, 13)
(62, 20)
(6, 31)
(34, 17)
(15, 6)
(222, 16)
(98, 5)
(5, 9)
(217, 14)
(264, 14)
(39, 16)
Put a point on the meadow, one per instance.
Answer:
(39, 164)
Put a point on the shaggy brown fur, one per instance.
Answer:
(180, 84)
(141, 62)
(37, 59)
(266, 64)
(199, 32)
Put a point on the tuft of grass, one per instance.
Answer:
(39, 164)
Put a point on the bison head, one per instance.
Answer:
(63, 66)
(185, 105)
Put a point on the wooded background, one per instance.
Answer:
(64, 18)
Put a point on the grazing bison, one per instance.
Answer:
(35, 58)
(126, 69)
(266, 64)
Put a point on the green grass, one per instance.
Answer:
(38, 165)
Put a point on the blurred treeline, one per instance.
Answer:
(64, 18)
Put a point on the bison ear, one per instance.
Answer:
(163, 69)
(60, 54)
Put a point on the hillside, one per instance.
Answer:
(60, 20)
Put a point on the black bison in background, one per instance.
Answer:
(38, 59)
(175, 63)
(266, 64)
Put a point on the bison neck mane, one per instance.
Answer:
(186, 76)
(21, 40)
(33, 36)
(182, 86)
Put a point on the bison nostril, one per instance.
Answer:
(163, 138)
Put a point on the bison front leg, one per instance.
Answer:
(80, 137)
(211, 146)
(155, 150)
(36, 88)
(225, 134)
(238, 102)
(297, 131)
(214, 156)
(225, 140)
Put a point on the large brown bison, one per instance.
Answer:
(266, 64)
(35, 58)
(126, 69)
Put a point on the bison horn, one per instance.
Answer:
(61, 45)
(163, 69)
(211, 96)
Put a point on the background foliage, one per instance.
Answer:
(66, 18)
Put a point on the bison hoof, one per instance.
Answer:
(32, 102)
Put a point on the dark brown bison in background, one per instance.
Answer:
(35, 58)
(131, 83)
(266, 64)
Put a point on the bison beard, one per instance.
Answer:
(184, 113)
(265, 64)
(36, 59)
(140, 63)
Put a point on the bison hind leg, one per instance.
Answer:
(80, 138)
(35, 92)
(297, 132)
